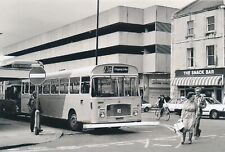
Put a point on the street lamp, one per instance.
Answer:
(96, 51)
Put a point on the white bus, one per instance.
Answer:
(100, 95)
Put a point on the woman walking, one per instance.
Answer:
(188, 116)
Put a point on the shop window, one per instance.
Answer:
(182, 93)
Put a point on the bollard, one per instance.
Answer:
(37, 122)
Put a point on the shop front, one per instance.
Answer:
(211, 80)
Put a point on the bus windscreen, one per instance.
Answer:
(114, 86)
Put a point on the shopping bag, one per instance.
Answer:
(179, 125)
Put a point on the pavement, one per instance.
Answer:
(15, 133)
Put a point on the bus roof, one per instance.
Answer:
(104, 69)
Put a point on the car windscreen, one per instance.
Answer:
(212, 101)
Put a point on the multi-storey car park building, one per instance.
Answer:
(198, 54)
(140, 37)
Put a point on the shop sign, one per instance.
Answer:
(197, 72)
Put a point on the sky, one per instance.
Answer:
(22, 19)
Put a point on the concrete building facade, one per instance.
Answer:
(140, 37)
(198, 54)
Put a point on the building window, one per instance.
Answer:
(190, 57)
(190, 28)
(210, 55)
(210, 23)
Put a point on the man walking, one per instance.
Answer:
(200, 100)
(33, 106)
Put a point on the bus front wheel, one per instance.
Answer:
(72, 121)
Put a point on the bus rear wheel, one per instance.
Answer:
(72, 121)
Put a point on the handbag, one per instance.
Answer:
(179, 125)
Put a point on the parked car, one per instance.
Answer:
(214, 109)
(175, 105)
(145, 106)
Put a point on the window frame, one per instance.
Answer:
(213, 56)
(189, 28)
(190, 57)
(210, 24)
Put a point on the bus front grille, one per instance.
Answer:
(118, 110)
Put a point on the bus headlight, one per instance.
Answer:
(135, 112)
(101, 113)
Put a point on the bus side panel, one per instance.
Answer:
(81, 104)
(52, 105)
(24, 103)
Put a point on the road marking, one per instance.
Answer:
(144, 131)
(161, 145)
(68, 147)
(147, 143)
(208, 136)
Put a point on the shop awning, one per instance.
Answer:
(198, 81)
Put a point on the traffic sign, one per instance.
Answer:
(37, 75)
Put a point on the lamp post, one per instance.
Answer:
(96, 51)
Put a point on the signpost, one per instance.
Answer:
(37, 76)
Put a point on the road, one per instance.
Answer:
(142, 139)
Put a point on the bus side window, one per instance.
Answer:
(74, 85)
(64, 86)
(85, 84)
(32, 88)
(26, 87)
(54, 86)
(46, 87)
(40, 89)
(22, 88)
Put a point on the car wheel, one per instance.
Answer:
(214, 114)
(146, 109)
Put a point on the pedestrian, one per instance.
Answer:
(161, 102)
(188, 116)
(200, 100)
(34, 105)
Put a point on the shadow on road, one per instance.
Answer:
(109, 131)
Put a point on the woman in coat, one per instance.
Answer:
(188, 116)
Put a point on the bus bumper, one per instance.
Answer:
(111, 125)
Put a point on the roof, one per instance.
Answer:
(198, 6)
